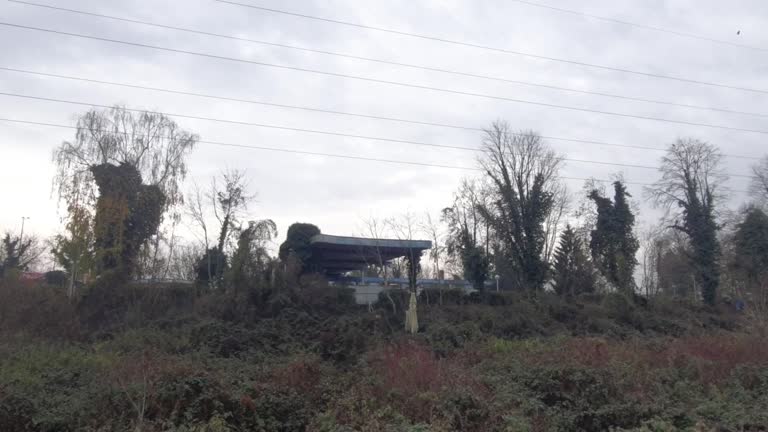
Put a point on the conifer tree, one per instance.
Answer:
(573, 272)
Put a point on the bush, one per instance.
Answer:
(56, 278)
(305, 357)
(442, 296)
(37, 310)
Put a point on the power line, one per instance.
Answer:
(244, 123)
(343, 156)
(642, 26)
(396, 83)
(335, 112)
(394, 63)
(278, 149)
(323, 132)
(496, 49)
(334, 155)
(255, 102)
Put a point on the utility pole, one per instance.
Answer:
(21, 235)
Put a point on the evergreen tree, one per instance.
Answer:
(613, 243)
(573, 272)
(751, 246)
(474, 261)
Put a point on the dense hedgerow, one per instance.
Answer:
(175, 359)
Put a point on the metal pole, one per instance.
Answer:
(21, 235)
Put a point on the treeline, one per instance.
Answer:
(516, 226)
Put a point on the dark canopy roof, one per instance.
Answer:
(337, 254)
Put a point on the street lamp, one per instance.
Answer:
(497, 277)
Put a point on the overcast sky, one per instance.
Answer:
(336, 193)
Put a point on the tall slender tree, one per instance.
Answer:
(573, 273)
(691, 188)
(523, 172)
(613, 242)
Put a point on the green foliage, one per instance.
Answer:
(573, 272)
(486, 362)
(74, 252)
(249, 261)
(474, 262)
(127, 214)
(701, 227)
(519, 224)
(210, 268)
(751, 245)
(613, 243)
(15, 254)
(690, 184)
(297, 244)
(39, 310)
(55, 278)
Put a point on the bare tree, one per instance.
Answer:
(523, 171)
(691, 187)
(652, 246)
(181, 264)
(431, 227)
(226, 201)
(374, 227)
(150, 142)
(759, 186)
(555, 219)
(405, 227)
(464, 215)
(230, 199)
(197, 210)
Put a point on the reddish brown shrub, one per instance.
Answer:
(413, 379)
(713, 356)
(302, 374)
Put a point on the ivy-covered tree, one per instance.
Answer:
(523, 172)
(296, 244)
(211, 266)
(251, 257)
(128, 166)
(613, 242)
(474, 262)
(127, 214)
(573, 272)
(690, 186)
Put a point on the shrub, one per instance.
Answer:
(442, 296)
(37, 310)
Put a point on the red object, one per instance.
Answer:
(33, 276)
